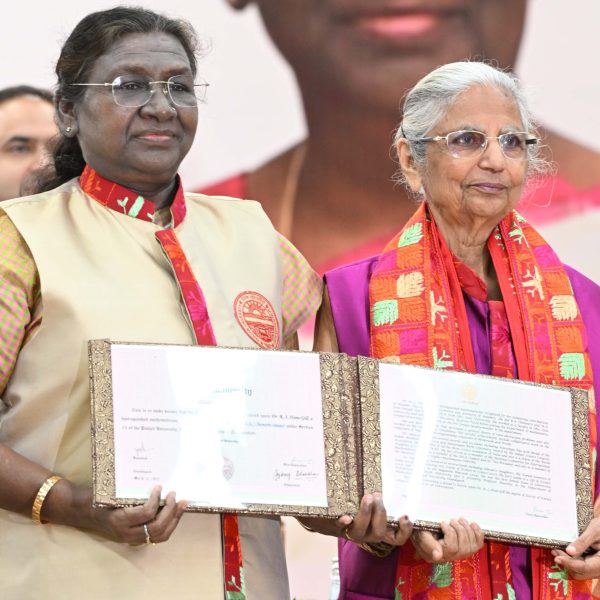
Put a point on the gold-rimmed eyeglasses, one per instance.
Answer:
(135, 90)
(466, 143)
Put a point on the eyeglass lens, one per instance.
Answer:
(134, 90)
(464, 143)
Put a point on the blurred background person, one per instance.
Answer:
(26, 126)
(353, 59)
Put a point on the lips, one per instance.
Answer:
(489, 187)
(396, 25)
(399, 21)
(156, 136)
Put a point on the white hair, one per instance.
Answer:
(429, 100)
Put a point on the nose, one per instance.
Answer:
(160, 105)
(492, 157)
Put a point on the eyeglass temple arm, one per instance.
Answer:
(437, 138)
(102, 84)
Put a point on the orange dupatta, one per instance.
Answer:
(418, 316)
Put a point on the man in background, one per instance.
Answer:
(26, 126)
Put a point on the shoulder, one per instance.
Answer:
(586, 291)
(354, 272)
(225, 203)
(248, 213)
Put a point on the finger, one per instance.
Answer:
(467, 543)
(173, 523)
(428, 547)
(589, 537)
(404, 531)
(479, 536)
(138, 515)
(378, 527)
(159, 523)
(449, 542)
(358, 529)
(579, 568)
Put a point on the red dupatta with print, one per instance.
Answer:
(418, 316)
(124, 201)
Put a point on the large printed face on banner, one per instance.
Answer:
(369, 52)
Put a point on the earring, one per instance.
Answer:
(68, 129)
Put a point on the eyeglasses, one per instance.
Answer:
(463, 144)
(135, 91)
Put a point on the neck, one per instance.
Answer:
(349, 152)
(346, 184)
(469, 245)
(160, 196)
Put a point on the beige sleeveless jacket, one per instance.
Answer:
(104, 275)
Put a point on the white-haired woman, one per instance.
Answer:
(469, 281)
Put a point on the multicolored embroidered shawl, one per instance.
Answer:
(418, 316)
(125, 201)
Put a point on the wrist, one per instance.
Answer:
(68, 504)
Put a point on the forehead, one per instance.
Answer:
(153, 53)
(27, 115)
(487, 108)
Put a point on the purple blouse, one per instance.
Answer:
(367, 577)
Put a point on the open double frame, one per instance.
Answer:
(300, 433)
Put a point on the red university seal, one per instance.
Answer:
(258, 319)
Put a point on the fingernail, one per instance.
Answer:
(571, 549)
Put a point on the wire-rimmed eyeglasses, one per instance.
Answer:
(135, 90)
(465, 143)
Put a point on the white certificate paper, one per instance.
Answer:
(494, 451)
(221, 427)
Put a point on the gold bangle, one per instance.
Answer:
(36, 509)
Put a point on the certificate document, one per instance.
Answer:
(225, 428)
(498, 452)
(302, 433)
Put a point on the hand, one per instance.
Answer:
(369, 524)
(460, 540)
(127, 524)
(572, 559)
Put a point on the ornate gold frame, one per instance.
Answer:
(369, 392)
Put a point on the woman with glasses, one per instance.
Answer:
(114, 248)
(467, 284)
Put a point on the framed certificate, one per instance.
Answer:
(511, 456)
(228, 429)
(302, 433)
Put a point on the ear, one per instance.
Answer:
(238, 4)
(66, 115)
(408, 166)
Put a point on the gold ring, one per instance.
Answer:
(347, 533)
(147, 533)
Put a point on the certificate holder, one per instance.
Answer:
(511, 456)
(228, 429)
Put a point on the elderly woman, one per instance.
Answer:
(467, 284)
(119, 251)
